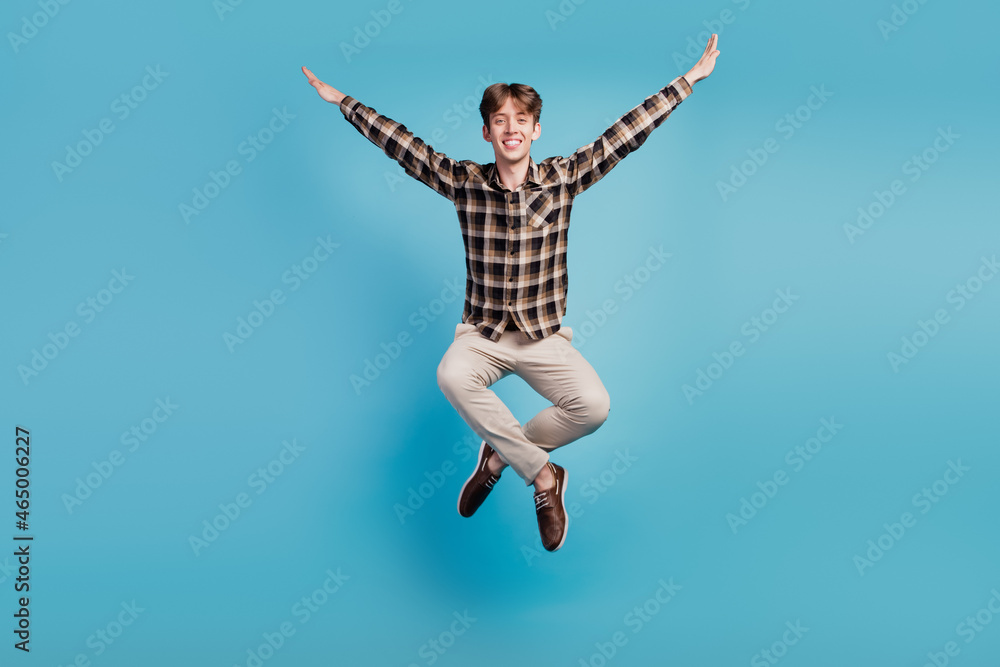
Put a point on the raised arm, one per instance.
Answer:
(435, 170)
(590, 163)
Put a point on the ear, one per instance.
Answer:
(486, 134)
(538, 131)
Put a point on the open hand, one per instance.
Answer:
(325, 90)
(706, 63)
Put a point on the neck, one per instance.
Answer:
(512, 174)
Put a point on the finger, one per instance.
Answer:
(314, 82)
(305, 70)
(711, 45)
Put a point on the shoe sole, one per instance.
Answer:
(458, 505)
(562, 501)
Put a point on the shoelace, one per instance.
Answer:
(490, 481)
(541, 500)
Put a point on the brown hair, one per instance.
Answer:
(525, 97)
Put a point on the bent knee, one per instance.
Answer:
(447, 375)
(600, 408)
(593, 408)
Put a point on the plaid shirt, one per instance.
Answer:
(515, 241)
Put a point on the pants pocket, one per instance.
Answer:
(463, 328)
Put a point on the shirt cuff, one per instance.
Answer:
(682, 87)
(347, 104)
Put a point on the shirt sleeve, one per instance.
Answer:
(589, 164)
(435, 170)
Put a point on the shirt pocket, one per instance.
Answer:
(540, 208)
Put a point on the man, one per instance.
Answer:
(514, 216)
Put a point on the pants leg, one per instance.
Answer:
(470, 366)
(580, 402)
(552, 367)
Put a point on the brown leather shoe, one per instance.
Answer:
(551, 510)
(479, 485)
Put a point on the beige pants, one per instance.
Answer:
(551, 366)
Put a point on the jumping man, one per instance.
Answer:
(514, 216)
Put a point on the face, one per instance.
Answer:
(511, 132)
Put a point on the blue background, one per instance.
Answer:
(366, 452)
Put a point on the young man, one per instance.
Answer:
(514, 216)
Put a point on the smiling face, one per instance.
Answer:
(511, 131)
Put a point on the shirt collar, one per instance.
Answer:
(493, 177)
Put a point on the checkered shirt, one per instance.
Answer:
(515, 241)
